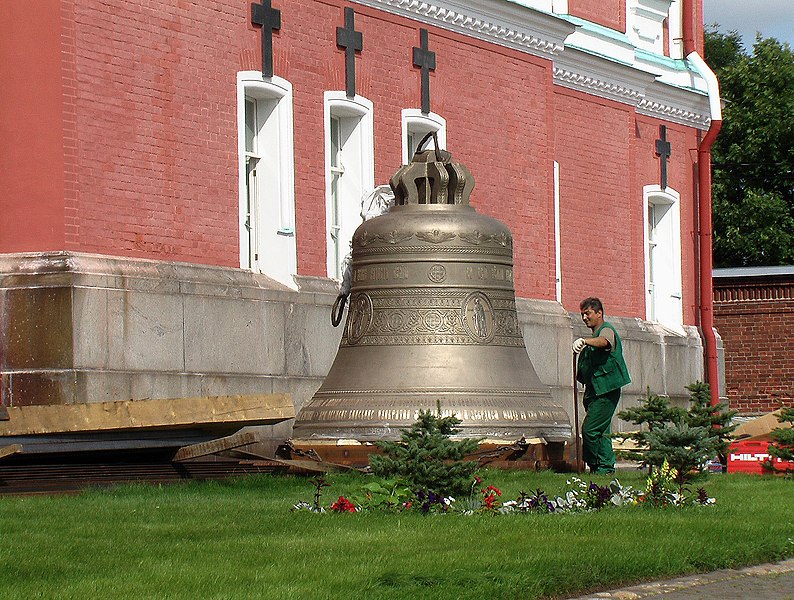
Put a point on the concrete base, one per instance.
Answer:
(82, 328)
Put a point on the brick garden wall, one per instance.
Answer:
(753, 317)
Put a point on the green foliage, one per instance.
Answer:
(386, 494)
(684, 447)
(722, 50)
(661, 488)
(783, 437)
(653, 411)
(756, 228)
(753, 156)
(716, 419)
(686, 439)
(427, 458)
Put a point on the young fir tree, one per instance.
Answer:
(715, 418)
(427, 458)
(685, 448)
(783, 437)
(654, 412)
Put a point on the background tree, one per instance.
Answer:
(753, 157)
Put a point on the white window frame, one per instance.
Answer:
(417, 124)
(358, 163)
(267, 233)
(557, 236)
(663, 288)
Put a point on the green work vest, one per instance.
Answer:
(600, 370)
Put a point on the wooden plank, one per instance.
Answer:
(310, 465)
(259, 409)
(215, 446)
(9, 450)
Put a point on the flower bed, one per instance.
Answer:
(396, 495)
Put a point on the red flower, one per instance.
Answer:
(493, 489)
(343, 505)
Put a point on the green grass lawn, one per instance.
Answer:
(238, 539)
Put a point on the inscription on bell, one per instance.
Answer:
(379, 273)
(489, 273)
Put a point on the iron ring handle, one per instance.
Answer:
(338, 309)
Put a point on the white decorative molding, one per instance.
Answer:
(590, 59)
(672, 113)
(677, 105)
(598, 86)
(595, 75)
(495, 21)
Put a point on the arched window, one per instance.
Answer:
(416, 125)
(663, 256)
(350, 171)
(266, 172)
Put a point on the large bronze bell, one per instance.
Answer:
(432, 323)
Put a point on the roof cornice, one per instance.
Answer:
(596, 60)
(495, 21)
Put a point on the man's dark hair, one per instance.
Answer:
(593, 303)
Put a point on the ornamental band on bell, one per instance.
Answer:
(444, 317)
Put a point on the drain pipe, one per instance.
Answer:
(706, 305)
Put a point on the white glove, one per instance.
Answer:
(578, 345)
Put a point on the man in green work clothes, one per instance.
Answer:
(603, 372)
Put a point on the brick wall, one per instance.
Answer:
(155, 105)
(31, 132)
(753, 316)
(150, 137)
(609, 13)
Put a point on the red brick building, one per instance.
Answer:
(171, 165)
(752, 311)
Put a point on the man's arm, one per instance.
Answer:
(605, 341)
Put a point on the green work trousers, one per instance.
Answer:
(596, 443)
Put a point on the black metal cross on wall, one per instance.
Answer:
(663, 151)
(269, 19)
(425, 60)
(351, 40)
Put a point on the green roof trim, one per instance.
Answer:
(678, 64)
(600, 30)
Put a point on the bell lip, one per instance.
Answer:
(350, 436)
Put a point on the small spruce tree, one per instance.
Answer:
(715, 418)
(427, 458)
(686, 448)
(783, 437)
(653, 411)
